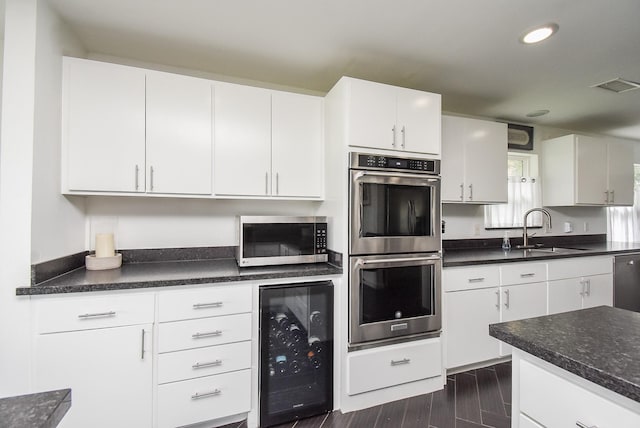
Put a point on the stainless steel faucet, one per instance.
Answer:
(525, 236)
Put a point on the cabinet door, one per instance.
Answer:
(296, 147)
(591, 174)
(620, 174)
(107, 370)
(419, 121)
(103, 126)
(524, 301)
(453, 159)
(179, 147)
(485, 152)
(242, 140)
(599, 291)
(565, 295)
(467, 318)
(372, 115)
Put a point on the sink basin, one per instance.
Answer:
(556, 250)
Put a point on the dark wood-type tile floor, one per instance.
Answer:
(474, 399)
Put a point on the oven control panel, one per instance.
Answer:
(389, 163)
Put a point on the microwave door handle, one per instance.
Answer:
(361, 214)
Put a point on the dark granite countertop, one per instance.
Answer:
(170, 273)
(599, 344)
(468, 257)
(40, 410)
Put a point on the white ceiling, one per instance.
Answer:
(467, 50)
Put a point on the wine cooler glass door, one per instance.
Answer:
(296, 351)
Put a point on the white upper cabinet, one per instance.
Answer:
(103, 130)
(582, 170)
(242, 140)
(267, 143)
(297, 135)
(179, 147)
(474, 161)
(392, 118)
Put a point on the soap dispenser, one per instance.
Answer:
(506, 244)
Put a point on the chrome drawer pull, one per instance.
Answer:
(207, 305)
(581, 425)
(400, 362)
(97, 315)
(209, 334)
(527, 275)
(203, 365)
(213, 393)
(476, 279)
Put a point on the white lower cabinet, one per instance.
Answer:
(383, 367)
(101, 348)
(552, 400)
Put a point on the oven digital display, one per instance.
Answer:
(397, 163)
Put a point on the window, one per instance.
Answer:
(623, 223)
(524, 194)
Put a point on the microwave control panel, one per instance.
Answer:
(321, 238)
(388, 163)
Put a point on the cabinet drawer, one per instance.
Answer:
(394, 365)
(203, 399)
(85, 313)
(579, 266)
(193, 363)
(523, 273)
(179, 335)
(217, 300)
(468, 278)
(556, 402)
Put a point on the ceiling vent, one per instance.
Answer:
(618, 85)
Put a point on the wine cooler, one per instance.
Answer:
(296, 351)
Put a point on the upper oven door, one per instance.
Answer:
(393, 213)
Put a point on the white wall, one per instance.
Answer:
(169, 222)
(467, 221)
(57, 221)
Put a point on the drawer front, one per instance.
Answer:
(85, 313)
(209, 302)
(180, 335)
(556, 402)
(203, 399)
(212, 360)
(469, 278)
(523, 273)
(580, 266)
(394, 365)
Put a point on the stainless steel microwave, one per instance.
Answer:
(276, 240)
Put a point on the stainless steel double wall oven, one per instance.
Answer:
(394, 249)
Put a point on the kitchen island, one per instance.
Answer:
(578, 368)
(39, 410)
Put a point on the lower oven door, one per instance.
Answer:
(394, 296)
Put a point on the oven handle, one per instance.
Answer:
(398, 260)
(426, 177)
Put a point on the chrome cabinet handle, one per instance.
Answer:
(476, 280)
(400, 362)
(393, 130)
(142, 346)
(606, 197)
(506, 303)
(588, 281)
(137, 179)
(151, 178)
(199, 395)
(471, 192)
(527, 275)
(266, 183)
(209, 364)
(462, 191)
(207, 334)
(97, 315)
(582, 425)
(403, 137)
(207, 305)
(498, 300)
(277, 183)
(583, 287)
(613, 196)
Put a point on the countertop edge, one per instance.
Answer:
(37, 410)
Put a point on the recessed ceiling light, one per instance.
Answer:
(537, 113)
(539, 34)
